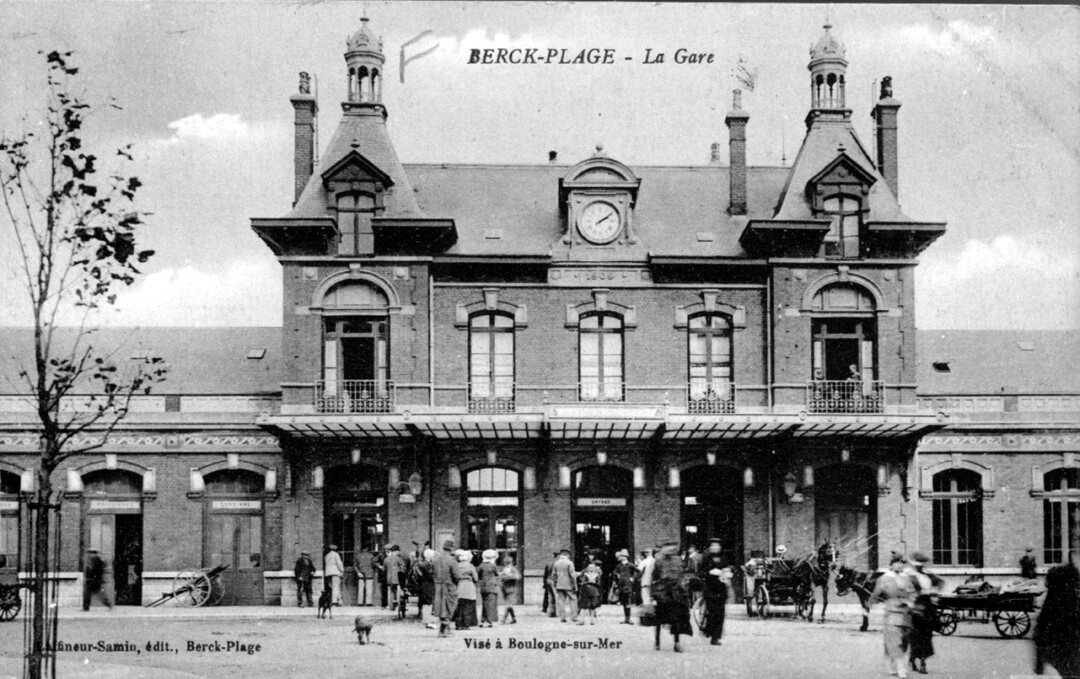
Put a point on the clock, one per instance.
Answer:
(599, 222)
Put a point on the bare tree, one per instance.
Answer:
(74, 226)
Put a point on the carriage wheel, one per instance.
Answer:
(10, 603)
(192, 587)
(217, 591)
(750, 612)
(698, 612)
(946, 622)
(1012, 624)
(761, 602)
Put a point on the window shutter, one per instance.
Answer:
(867, 360)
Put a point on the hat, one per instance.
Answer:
(305, 553)
(395, 548)
(429, 554)
(622, 552)
(564, 551)
(462, 555)
(1029, 549)
(490, 555)
(780, 549)
(448, 545)
(896, 556)
(333, 548)
(919, 557)
(712, 540)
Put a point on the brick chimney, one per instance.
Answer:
(307, 111)
(736, 122)
(885, 113)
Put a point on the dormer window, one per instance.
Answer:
(355, 211)
(842, 240)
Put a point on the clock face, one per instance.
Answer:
(599, 222)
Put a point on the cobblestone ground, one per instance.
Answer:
(295, 644)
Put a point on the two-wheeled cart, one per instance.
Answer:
(195, 587)
(1009, 611)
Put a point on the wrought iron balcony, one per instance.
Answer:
(596, 391)
(354, 396)
(710, 398)
(845, 396)
(492, 398)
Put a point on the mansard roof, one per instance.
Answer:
(515, 209)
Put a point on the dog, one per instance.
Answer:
(403, 602)
(363, 629)
(325, 605)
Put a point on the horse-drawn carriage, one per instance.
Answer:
(1009, 611)
(10, 601)
(778, 582)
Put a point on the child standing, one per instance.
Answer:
(509, 578)
(589, 591)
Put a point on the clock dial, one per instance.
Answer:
(599, 222)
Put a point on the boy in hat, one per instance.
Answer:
(303, 573)
(624, 575)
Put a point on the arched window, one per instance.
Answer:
(845, 212)
(234, 482)
(709, 353)
(491, 362)
(356, 361)
(1061, 514)
(600, 355)
(957, 517)
(492, 511)
(844, 351)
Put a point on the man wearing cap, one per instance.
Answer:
(94, 580)
(549, 589)
(624, 575)
(303, 573)
(333, 569)
(564, 580)
(715, 575)
(393, 566)
(446, 576)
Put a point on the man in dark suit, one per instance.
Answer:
(549, 590)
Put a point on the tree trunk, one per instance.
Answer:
(39, 574)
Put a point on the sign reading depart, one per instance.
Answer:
(601, 502)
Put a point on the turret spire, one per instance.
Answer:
(364, 58)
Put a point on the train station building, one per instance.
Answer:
(581, 355)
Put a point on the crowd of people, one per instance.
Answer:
(665, 584)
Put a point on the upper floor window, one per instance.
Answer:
(600, 337)
(957, 518)
(356, 350)
(1061, 514)
(842, 240)
(491, 362)
(354, 223)
(709, 337)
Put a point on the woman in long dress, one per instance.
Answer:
(922, 612)
(465, 618)
(714, 575)
(896, 590)
(671, 597)
(488, 574)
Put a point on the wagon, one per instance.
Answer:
(10, 601)
(195, 587)
(1009, 611)
(777, 582)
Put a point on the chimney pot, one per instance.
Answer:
(306, 110)
(736, 122)
(736, 100)
(552, 155)
(885, 115)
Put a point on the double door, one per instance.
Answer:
(235, 540)
(599, 534)
(359, 533)
(491, 525)
(118, 540)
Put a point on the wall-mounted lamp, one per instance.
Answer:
(845, 455)
(195, 481)
(530, 478)
(492, 457)
(149, 481)
(453, 476)
(416, 483)
(883, 476)
(791, 485)
(393, 477)
(74, 482)
(673, 477)
(355, 453)
(601, 457)
(317, 478)
(748, 477)
(270, 485)
(639, 477)
(807, 476)
(710, 457)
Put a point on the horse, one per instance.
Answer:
(860, 582)
(821, 568)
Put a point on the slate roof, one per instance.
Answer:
(988, 361)
(201, 360)
(818, 149)
(362, 129)
(674, 204)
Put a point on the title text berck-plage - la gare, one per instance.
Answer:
(593, 55)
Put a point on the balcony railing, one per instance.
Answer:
(596, 391)
(845, 396)
(487, 398)
(354, 396)
(716, 398)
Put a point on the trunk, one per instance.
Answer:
(38, 661)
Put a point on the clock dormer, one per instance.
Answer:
(597, 198)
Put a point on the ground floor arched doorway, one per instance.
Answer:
(113, 526)
(356, 522)
(233, 534)
(602, 516)
(712, 507)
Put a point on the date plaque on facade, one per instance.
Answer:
(590, 276)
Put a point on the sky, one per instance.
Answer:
(989, 130)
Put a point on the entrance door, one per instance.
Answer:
(602, 516)
(492, 515)
(113, 526)
(236, 542)
(359, 533)
(845, 502)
